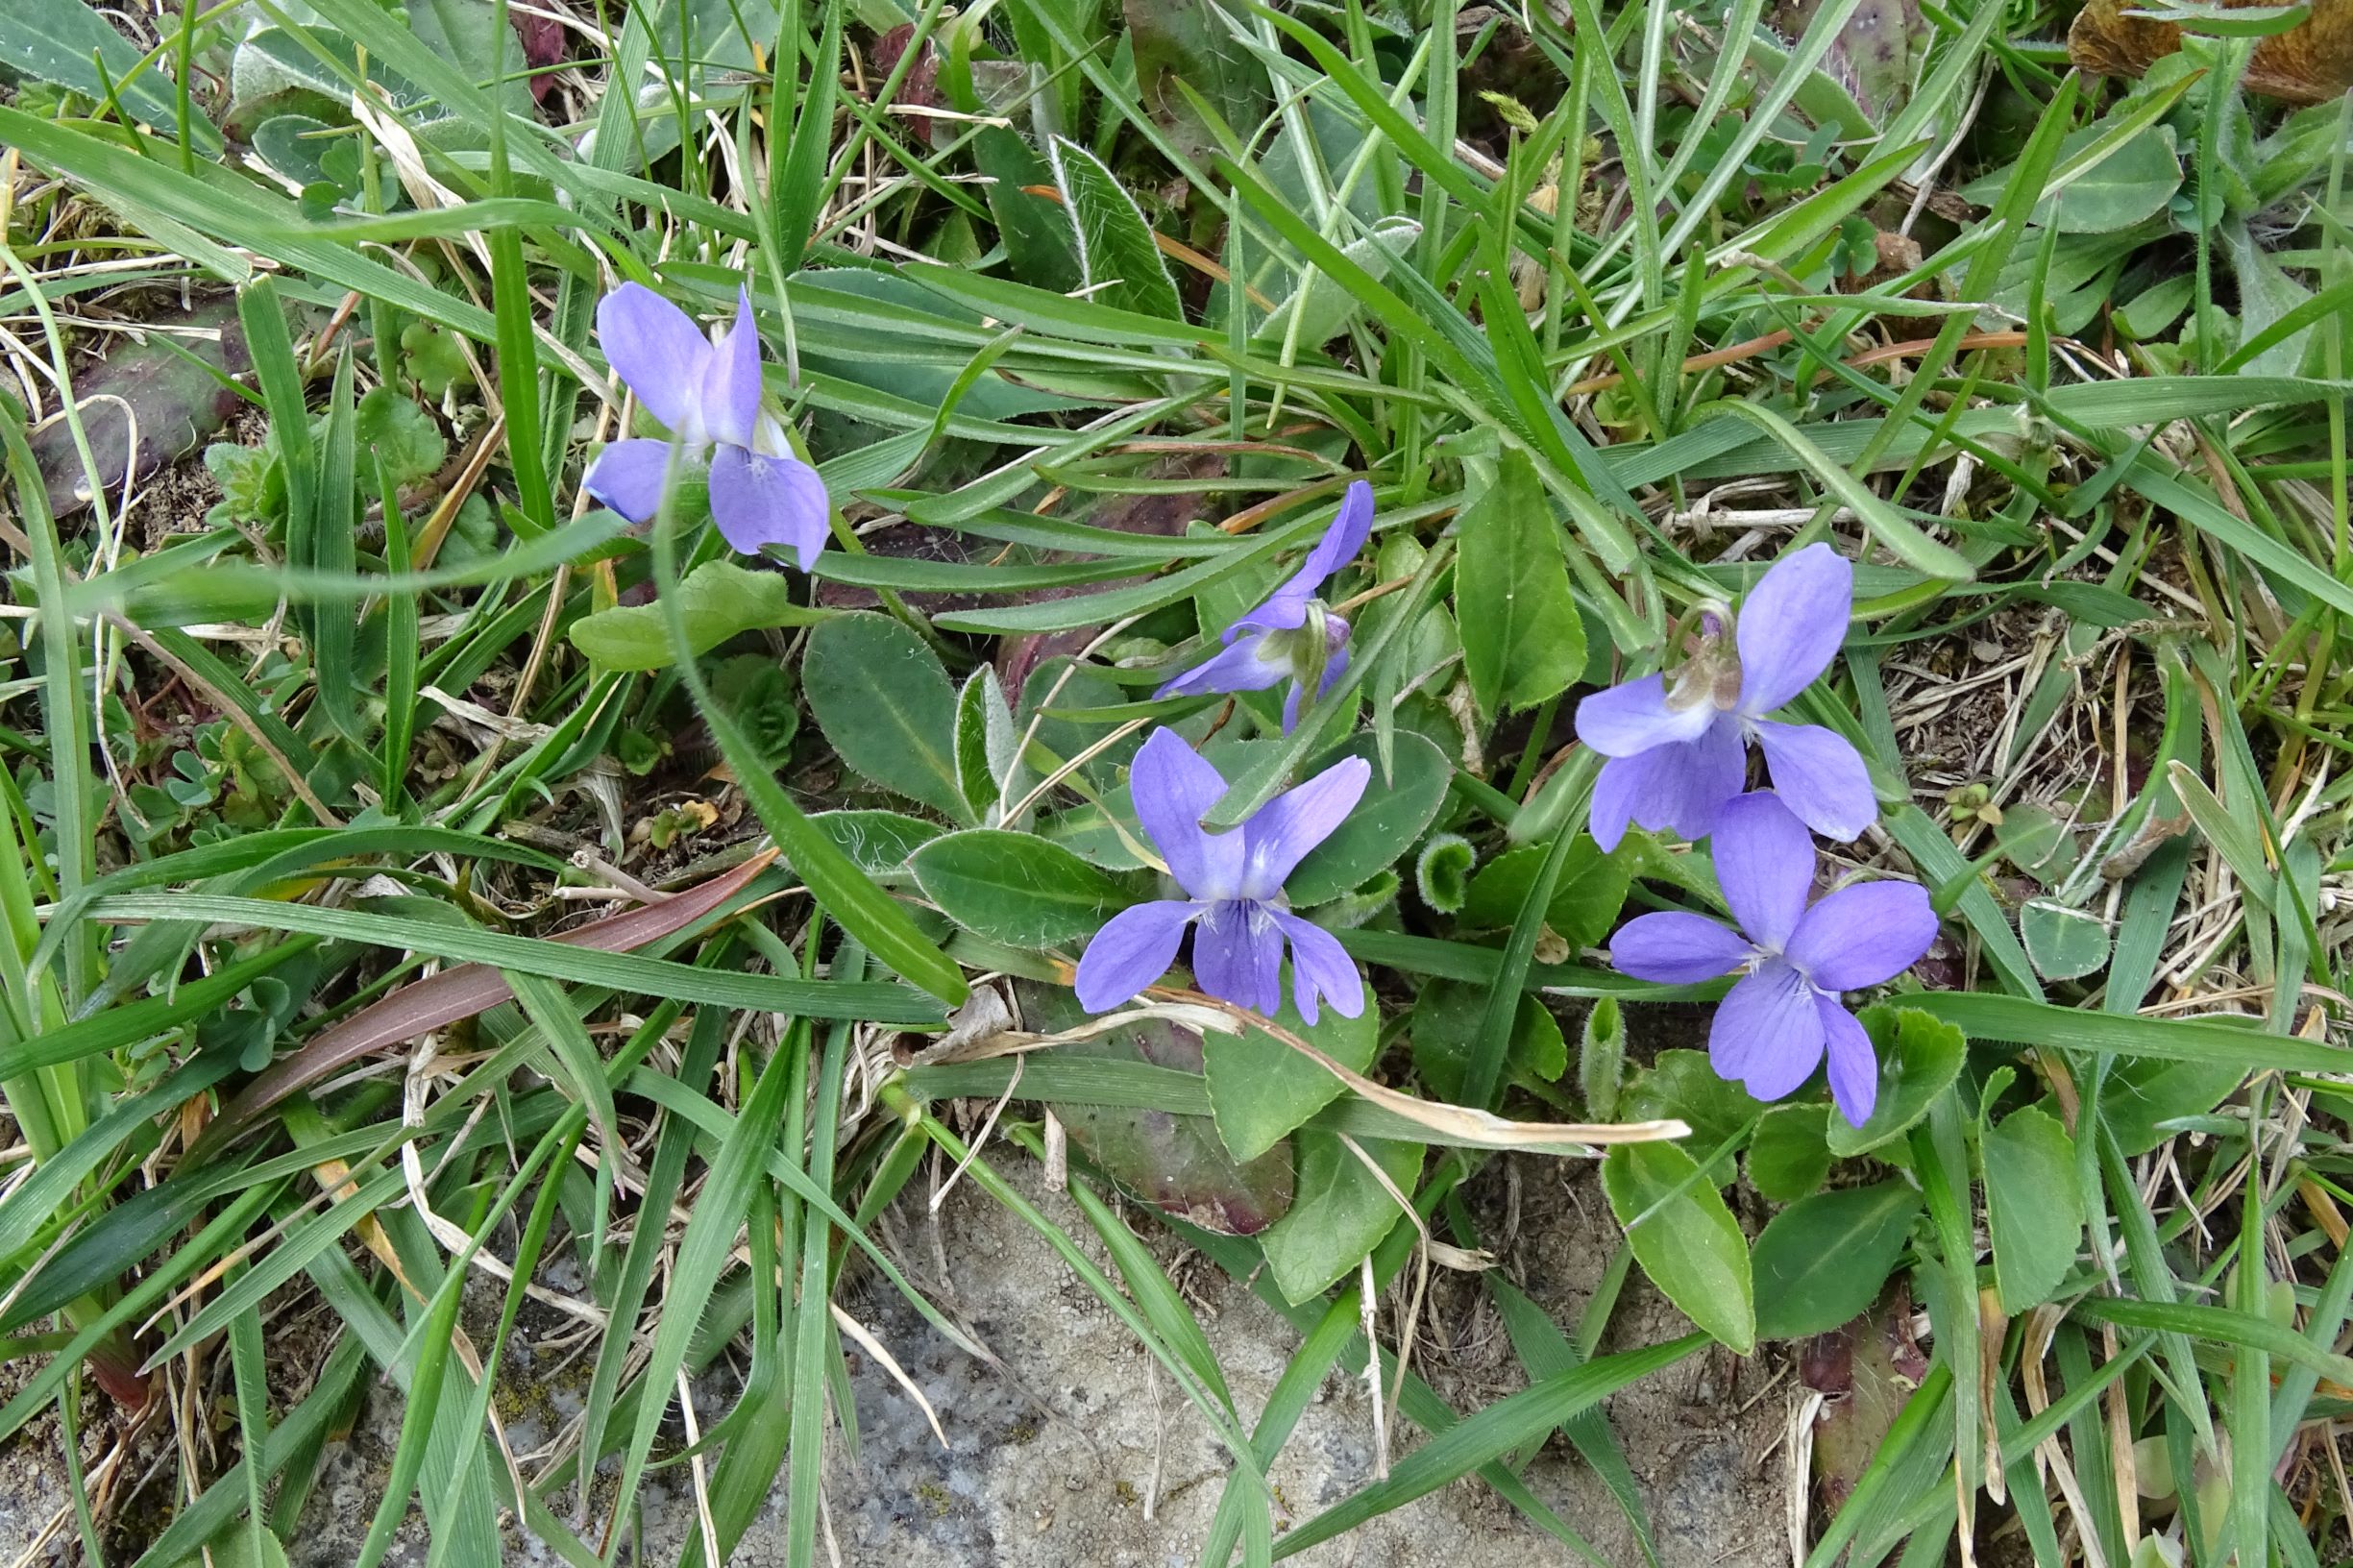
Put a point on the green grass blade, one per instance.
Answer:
(1507, 1424)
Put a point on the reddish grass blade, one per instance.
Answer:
(443, 998)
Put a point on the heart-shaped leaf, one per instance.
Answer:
(1185, 53)
(1339, 1212)
(1447, 1019)
(2065, 943)
(1684, 1085)
(1790, 1153)
(56, 41)
(1586, 901)
(2128, 185)
(2033, 1205)
(1261, 1088)
(2143, 1095)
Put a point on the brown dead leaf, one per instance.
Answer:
(2310, 63)
(144, 405)
(1866, 1371)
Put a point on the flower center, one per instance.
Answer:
(1711, 671)
(1305, 649)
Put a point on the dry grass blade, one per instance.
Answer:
(889, 1362)
(1199, 1011)
(1454, 1123)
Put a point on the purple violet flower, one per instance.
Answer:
(1291, 636)
(706, 394)
(1235, 883)
(1677, 754)
(1772, 1029)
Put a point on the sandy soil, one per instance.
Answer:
(1056, 1463)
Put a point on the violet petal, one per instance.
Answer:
(1321, 966)
(1820, 776)
(1350, 527)
(1690, 783)
(1630, 719)
(1767, 1032)
(1335, 664)
(1616, 788)
(1173, 787)
(1287, 607)
(1134, 949)
(1863, 935)
(1291, 706)
(654, 348)
(1279, 835)
(1237, 954)
(627, 476)
(1790, 626)
(1677, 948)
(731, 379)
(1241, 668)
(758, 501)
(1854, 1071)
(1765, 863)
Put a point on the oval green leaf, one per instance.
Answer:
(1684, 1085)
(2065, 943)
(1385, 824)
(1116, 247)
(1790, 1153)
(1586, 901)
(881, 697)
(1447, 1021)
(1261, 1088)
(2033, 1205)
(2142, 1097)
(1015, 888)
(1824, 1259)
(974, 711)
(1339, 1211)
(1684, 1237)
(1523, 640)
(877, 842)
